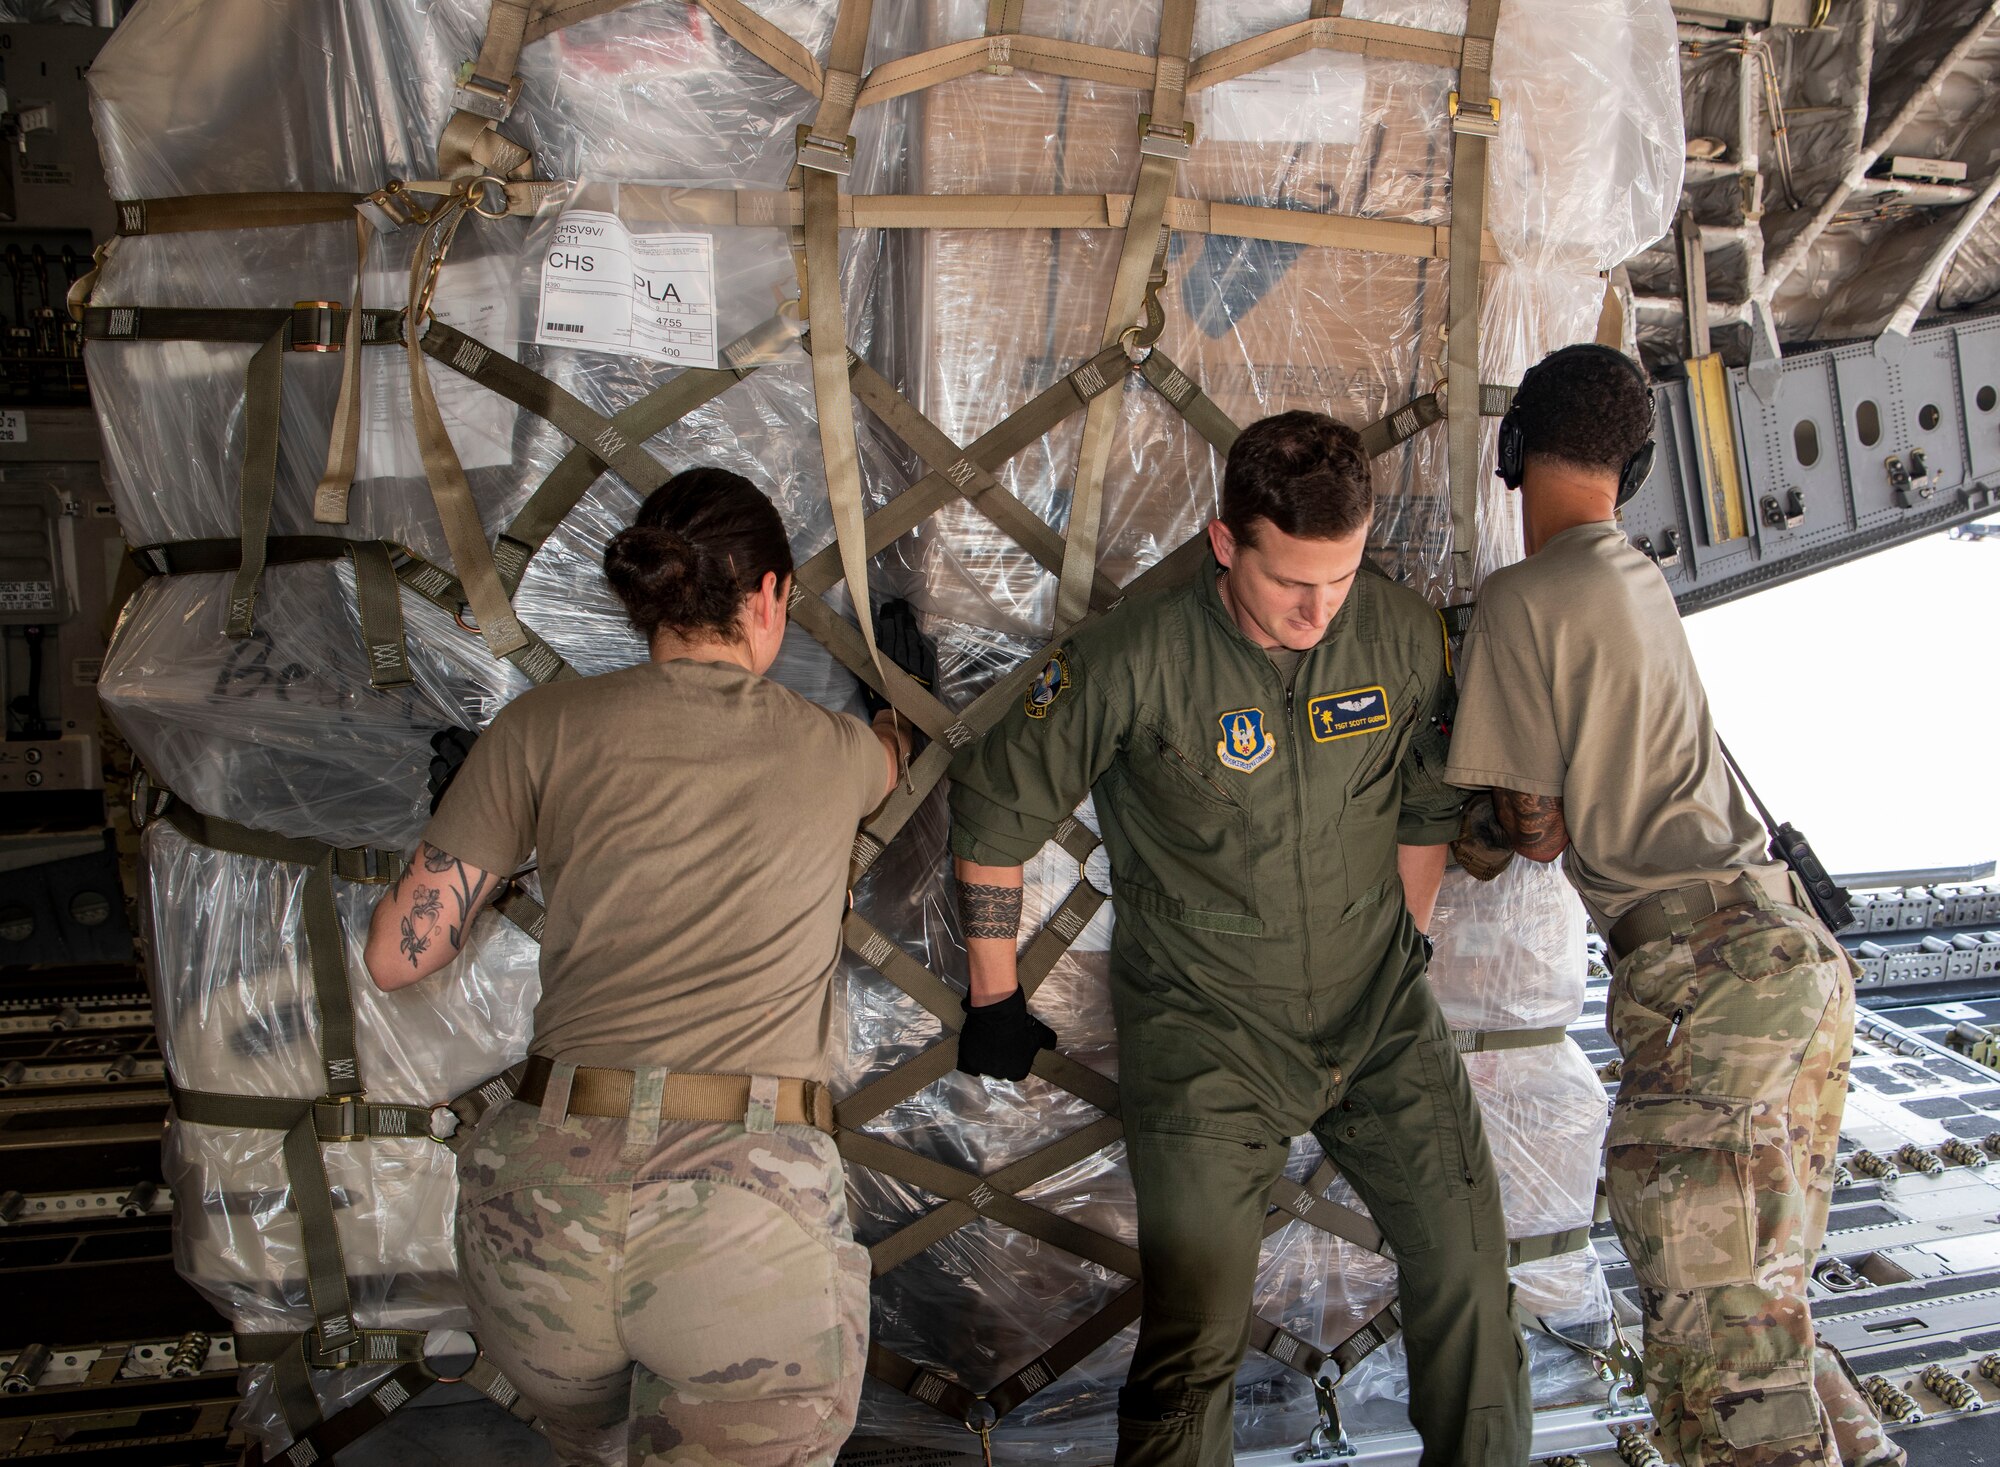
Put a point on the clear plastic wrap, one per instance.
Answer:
(1509, 951)
(233, 995)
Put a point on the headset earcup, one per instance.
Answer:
(1632, 477)
(1507, 461)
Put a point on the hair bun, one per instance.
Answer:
(663, 568)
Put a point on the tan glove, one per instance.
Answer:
(1481, 847)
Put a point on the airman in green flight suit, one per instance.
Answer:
(1264, 744)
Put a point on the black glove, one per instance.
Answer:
(1002, 1039)
(897, 634)
(449, 746)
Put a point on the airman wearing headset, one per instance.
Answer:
(1583, 717)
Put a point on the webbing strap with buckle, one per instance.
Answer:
(1492, 1041)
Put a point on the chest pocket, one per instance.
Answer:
(1189, 833)
(1372, 756)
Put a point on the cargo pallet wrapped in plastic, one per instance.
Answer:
(955, 286)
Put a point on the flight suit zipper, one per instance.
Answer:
(1299, 845)
(1203, 776)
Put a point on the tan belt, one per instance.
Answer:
(1652, 919)
(599, 1092)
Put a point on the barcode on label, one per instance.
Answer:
(561, 326)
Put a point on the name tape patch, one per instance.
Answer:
(1343, 715)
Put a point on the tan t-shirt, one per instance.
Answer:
(1576, 680)
(694, 823)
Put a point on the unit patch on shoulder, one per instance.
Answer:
(1049, 684)
(1343, 715)
(1246, 743)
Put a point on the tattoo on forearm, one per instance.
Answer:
(1534, 823)
(427, 904)
(990, 911)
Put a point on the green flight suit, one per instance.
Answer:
(1267, 981)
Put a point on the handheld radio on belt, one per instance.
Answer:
(1789, 845)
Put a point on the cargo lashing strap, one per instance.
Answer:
(951, 473)
(342, 1114)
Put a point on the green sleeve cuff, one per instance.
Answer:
(1436, 831)
(971, 840)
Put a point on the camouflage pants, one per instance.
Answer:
(1736, 1037)
(692, 1298)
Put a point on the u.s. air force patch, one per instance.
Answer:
(1049, 684)
(1246, 743)
(1343, 715)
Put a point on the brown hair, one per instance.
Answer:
(703, 541)
(1302, 471)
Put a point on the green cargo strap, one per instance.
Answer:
(658, 410)
(1303, 1201)
(335, 1331)
(1065, 1354)
(344, 1118)
(1020, 428)
(469, 1109)
(375, 597)
(1365, 1341)
(1185, 396)
(875, 948)
(536, 659)
(326, 948)
(1547, 1245)
(324, 1442)
(518, 905)
(189, 213)
(922, 1384)
(314, 326)
(1420, 412)
(1475, 118)
(485, 1377)
(263, 401)
(1492, 1041)
(373, 1346)
(583, 425)
(969, 1195)
(1163, 143)
(970, 477)
(1619, 1359)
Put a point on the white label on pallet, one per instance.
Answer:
(13, 426)
(605, 288)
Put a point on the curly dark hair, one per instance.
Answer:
(1587, 406)
(703, 541)
(1302, 471)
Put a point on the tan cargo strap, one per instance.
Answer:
(657, 411)
(825, 156)
(1324, 33)
(1475, 119)
(451, 492)
(1492, 1041)
(1547, 1245)
(1673, 912)
(1164, 137)
(1389, 432)
(770, 209)
(191, 213)
(607, 1092)
(766, 42)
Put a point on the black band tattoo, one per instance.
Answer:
(990, 911)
